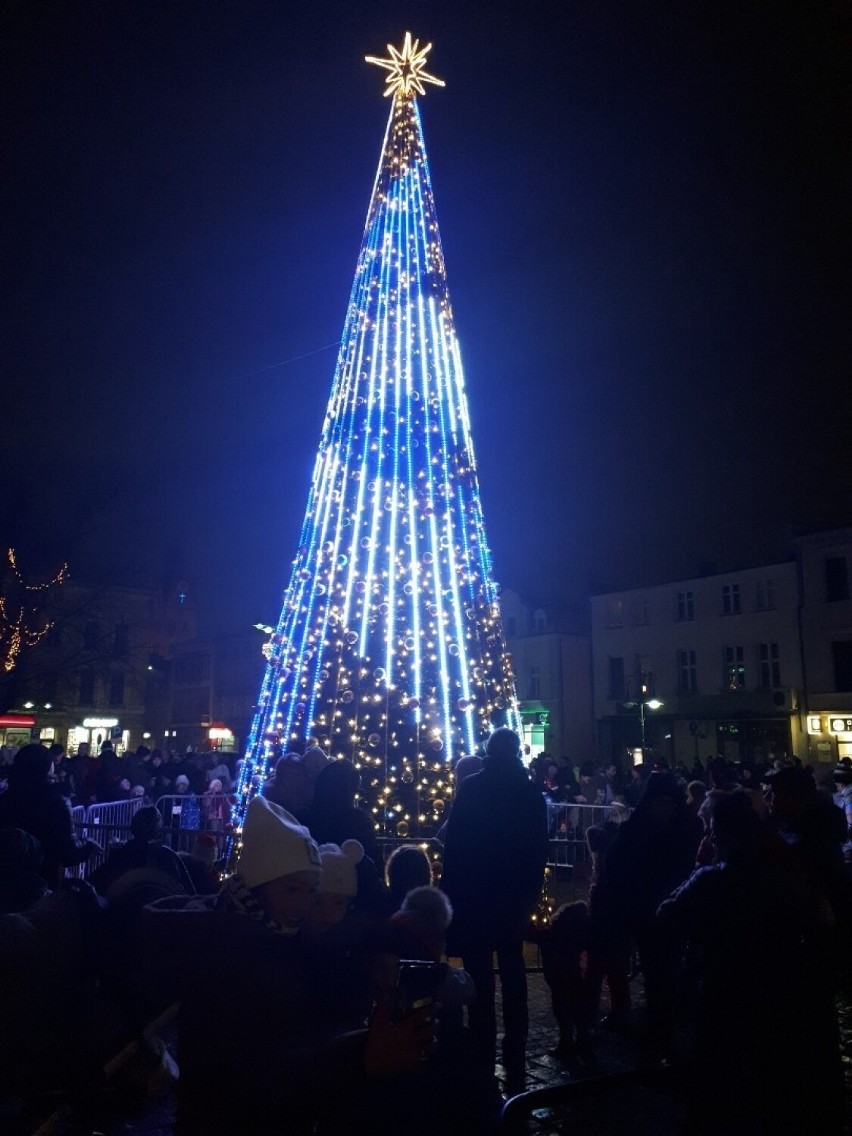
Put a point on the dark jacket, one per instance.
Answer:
(494, 854)
(249, 1016)
(37, 806)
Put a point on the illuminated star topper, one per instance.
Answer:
(406, 68)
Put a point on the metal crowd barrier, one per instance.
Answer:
(567, 825)
(185, 817)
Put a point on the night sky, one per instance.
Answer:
(644, 215)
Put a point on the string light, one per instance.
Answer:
(389, 649)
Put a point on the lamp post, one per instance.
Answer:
(645, 683)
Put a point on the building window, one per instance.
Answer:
(770, 665)
(765, 595)
(116, 689)
(534, 685)
(836, 579)
(540, 621)
(841, 653)
(685, 606)
(616, 677)
(687, 671)
(734, 668)
(641, 612)
(615, 613)
(731, 599)
(86, 690)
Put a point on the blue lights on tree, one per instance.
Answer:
(390, 649)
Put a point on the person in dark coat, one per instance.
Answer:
(143, 852)
(334, 817)
(494, 858)
(34, 804)
(652, 854)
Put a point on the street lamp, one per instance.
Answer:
(646, 685)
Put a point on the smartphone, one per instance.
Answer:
(416, 984)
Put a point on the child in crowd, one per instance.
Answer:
(407, 867)
(574, 987)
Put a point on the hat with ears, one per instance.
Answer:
(339, 876)
(274, 844)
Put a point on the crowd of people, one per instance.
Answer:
(319, 986)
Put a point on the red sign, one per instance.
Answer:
(25, 721)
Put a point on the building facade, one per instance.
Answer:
(825, 560)
(551, 661)
(699, 667)
(213, 691)
(102, 670)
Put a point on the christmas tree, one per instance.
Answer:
(390, 650)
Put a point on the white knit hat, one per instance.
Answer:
(338, 868)
(274, 845)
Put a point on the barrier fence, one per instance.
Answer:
(567, 825)
(185, 818)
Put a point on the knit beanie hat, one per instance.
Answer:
(274, 845)
(338, 868)
(503, 745)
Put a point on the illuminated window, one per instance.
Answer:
(735, 668)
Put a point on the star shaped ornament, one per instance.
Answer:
(406, 68)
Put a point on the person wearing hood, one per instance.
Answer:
(494, 858)
(33, 803)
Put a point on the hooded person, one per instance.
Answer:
(334, 817)
(494, 856)
(266, 1029)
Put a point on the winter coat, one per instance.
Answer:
(40, 809)
(255, 1052)
(494, 855)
